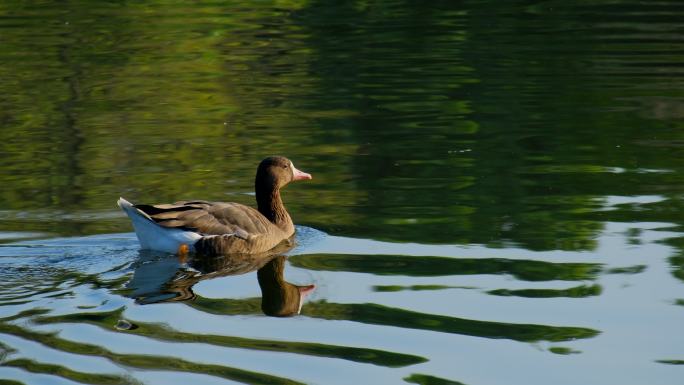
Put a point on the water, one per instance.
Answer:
(497, 190)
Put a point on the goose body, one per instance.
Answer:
(221, 227)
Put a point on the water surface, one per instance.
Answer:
(497, 190)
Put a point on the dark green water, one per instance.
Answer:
(498, 190)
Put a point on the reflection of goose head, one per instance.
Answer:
(280, 298)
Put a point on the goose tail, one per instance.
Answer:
(155, 237)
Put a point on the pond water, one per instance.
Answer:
(498, 190)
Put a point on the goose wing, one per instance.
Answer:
(210, 218)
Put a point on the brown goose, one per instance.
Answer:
(220, 227)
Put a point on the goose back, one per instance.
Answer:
(225, 227)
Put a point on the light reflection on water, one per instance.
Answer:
(459, 318)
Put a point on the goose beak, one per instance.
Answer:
(299, 175)
(304, 291)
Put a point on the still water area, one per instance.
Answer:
(497, 193)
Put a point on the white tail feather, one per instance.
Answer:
(153, 236)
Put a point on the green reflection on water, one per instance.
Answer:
(421, 137)
(393, 288)
(133, 360)
(563, 350)
(370, 313)
(678, 266)
(107, 320)
(671, 362)
(424, 379)
(11, 382)
(573, 292)
(637, 269)
(527, 270)
(382, 315)
(61, 371)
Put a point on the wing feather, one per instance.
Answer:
(210, 218)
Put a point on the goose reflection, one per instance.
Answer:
(159, 279)
(280, 298)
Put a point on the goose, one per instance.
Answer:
(221, 228)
